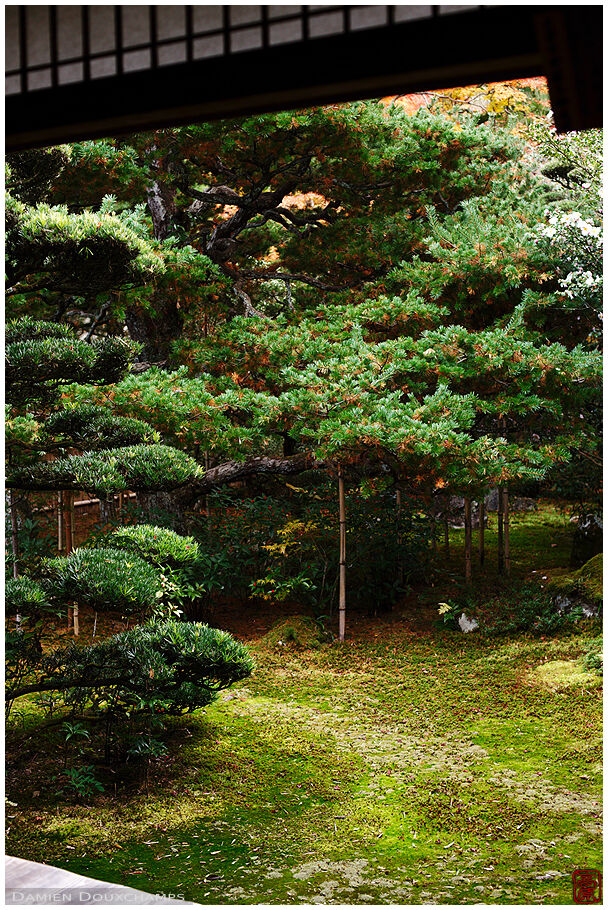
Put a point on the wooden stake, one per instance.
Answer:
(207, 506)
(342, 513)
(14, 535)
(434, 523)
(60, 521)
(501, 548)
(446, 526)
(507, 548)
(67, 522)
(75, 621)
(400, 571)
(467, 539)
(68, 511)
(72, 522)
(482, 521)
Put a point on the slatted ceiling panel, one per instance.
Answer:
(67, 44)
(412, 13)
(85, 71)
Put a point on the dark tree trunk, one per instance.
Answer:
(155, 330)
(342, 599)
(467, 539)
(158, 324)
(482, 521)
(501, 546)
(507, 544)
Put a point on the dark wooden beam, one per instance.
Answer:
(491, 44)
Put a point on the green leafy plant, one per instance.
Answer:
(81, 783)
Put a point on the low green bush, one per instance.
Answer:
(593, 658)
(516, 607)
(25, 597)
(161, 666)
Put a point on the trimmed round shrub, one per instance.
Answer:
(104, 579)
(91, 426)
(162, 666)
(145, 468)
(158, 545)
(25, 597)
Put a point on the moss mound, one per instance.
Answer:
(564, 674)
(586, 582)
(297, 632)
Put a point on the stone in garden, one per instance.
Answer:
(466, 624)
(588, 540)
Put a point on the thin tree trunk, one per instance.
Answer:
(507, 549)
(14, 536)
(400, 571)
(482, 521)
(467, 539)
(76, 621)
(207, 506)
(446, 526)
(60, 521)
(434, 523)
(68, 514)
(342, 601)
(15, 546)
(501, 548)
(72, 522)
(107, 509)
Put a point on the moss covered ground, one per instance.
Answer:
(411, 765)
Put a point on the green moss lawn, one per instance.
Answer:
(411, 765)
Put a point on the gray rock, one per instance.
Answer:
(587, 541)
(466, 624)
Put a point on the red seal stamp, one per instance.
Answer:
(587, 886)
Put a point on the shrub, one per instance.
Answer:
(106, 579)
(25, 597)
(593, 659)
(516, 607)
(157, 545)
(161, 666)
(91, 426)
(146, 468)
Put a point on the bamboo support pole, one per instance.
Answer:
(68, 513)
(207, 506)
(507, 547)
(60, 521)
(446, 526)
(482, 521)
(400, 570)
(467, 539)
(14, 534)
(15, 546)
(342, 514)
(72, 522)
(501, 545)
